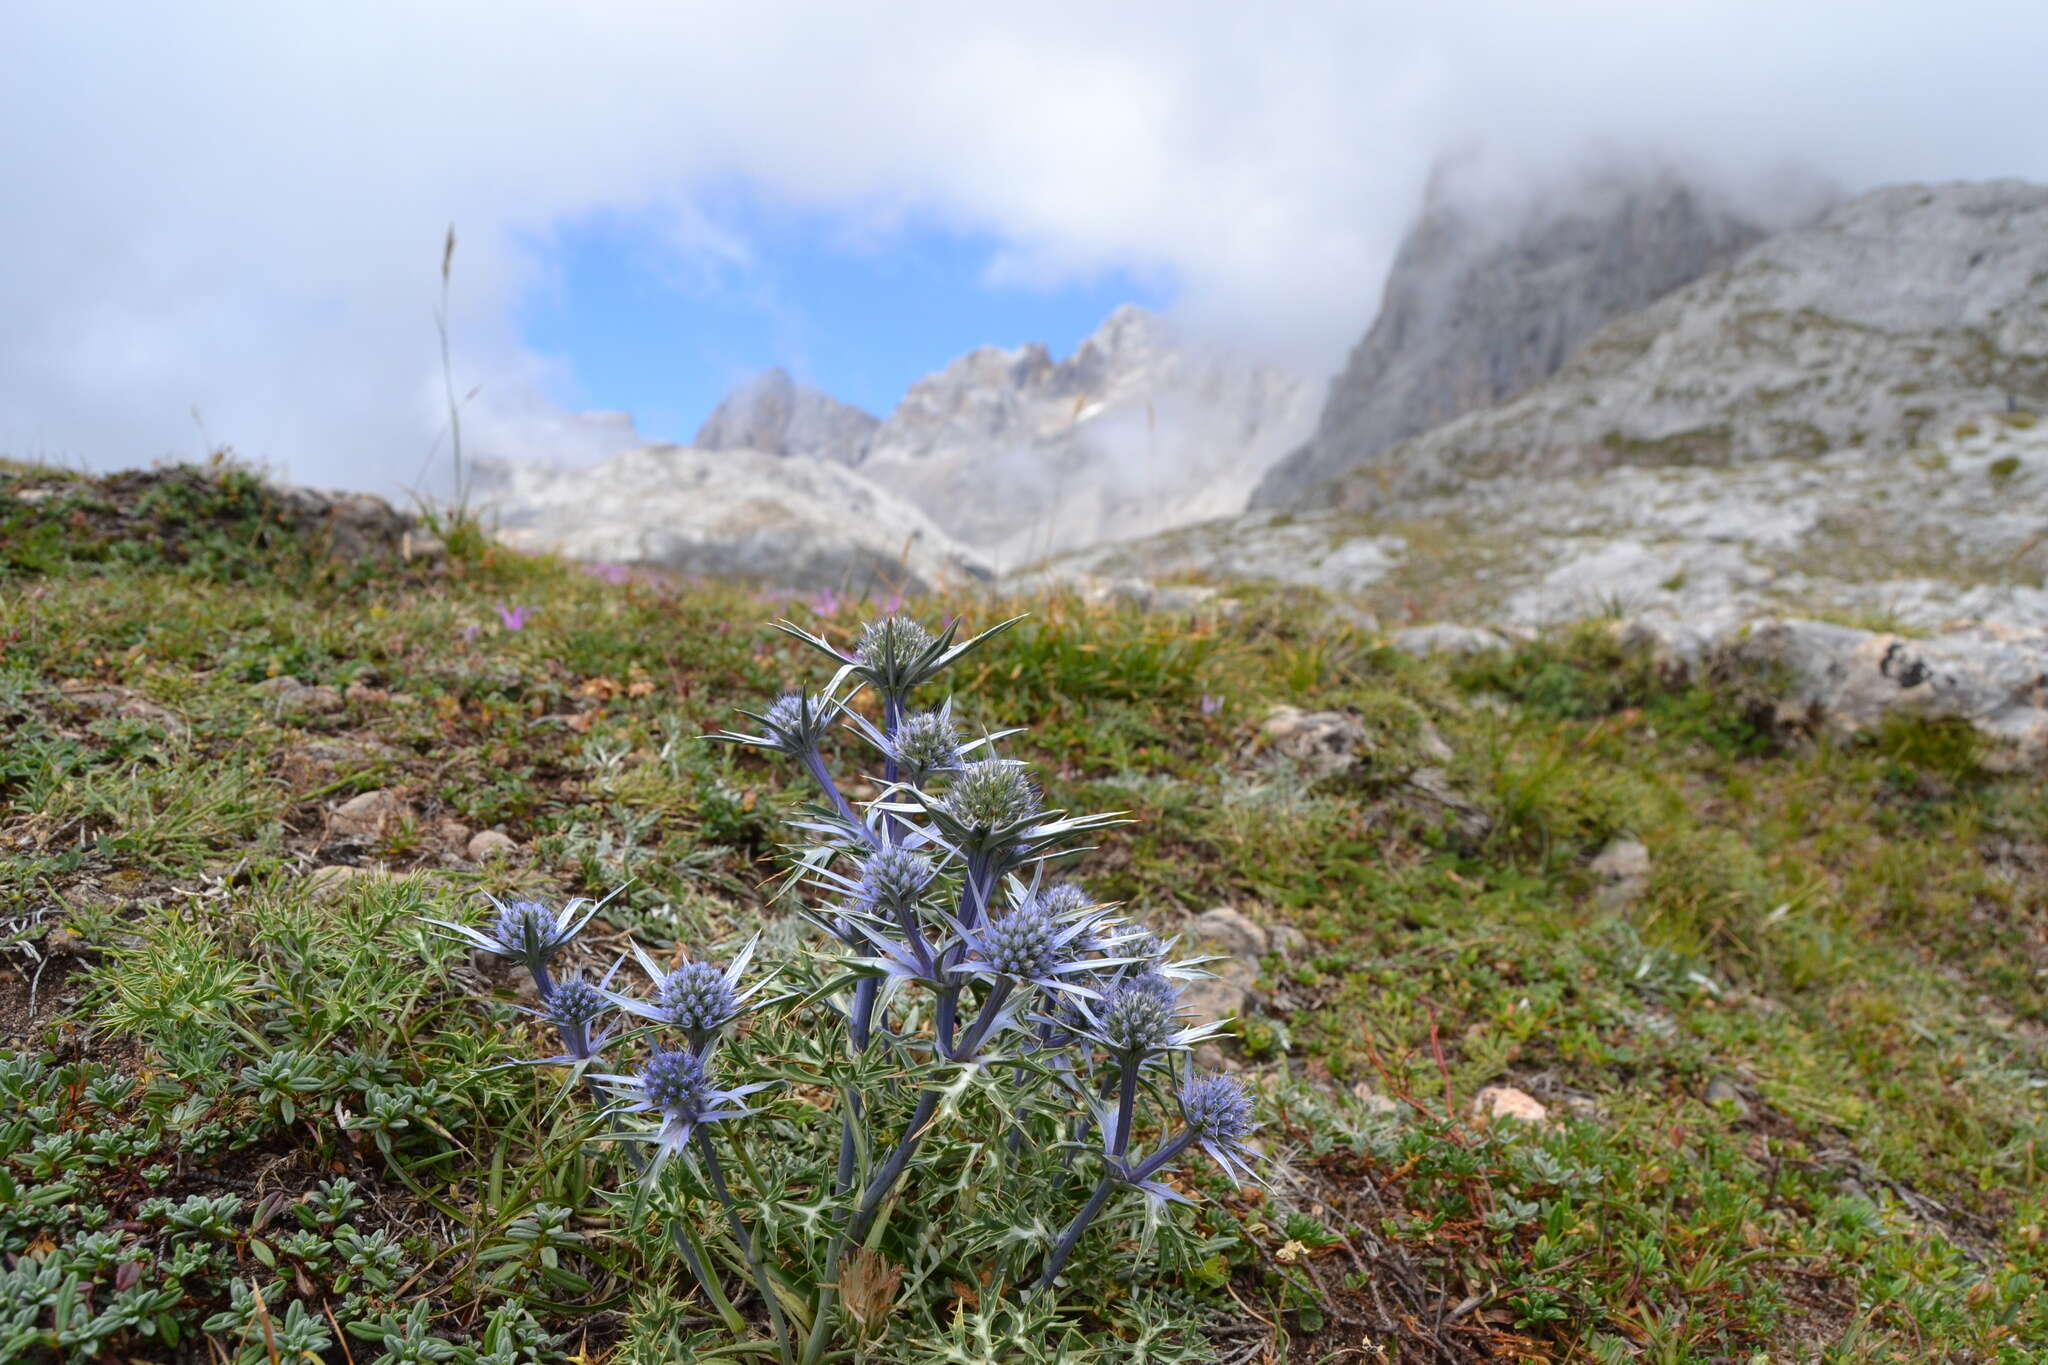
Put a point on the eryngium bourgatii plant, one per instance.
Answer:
(953, 1080)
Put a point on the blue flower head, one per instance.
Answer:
(574, 1006)
(1030, 944)
(793, 724)
(988, 803)
(677, 1088)
(526, 932)
(698, 999)
(893, 880)
(1219, 1115)
(925, 745)
(1134, 1021)
(894, 654)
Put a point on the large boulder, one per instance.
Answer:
(1850, 681)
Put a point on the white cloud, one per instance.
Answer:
(238, 207)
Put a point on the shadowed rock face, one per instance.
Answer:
(1473, 315)
(1892, 316)
(774, 414)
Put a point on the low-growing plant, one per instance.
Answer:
(906, 1133)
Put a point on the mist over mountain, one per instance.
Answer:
(1481, 305)
(774, 414)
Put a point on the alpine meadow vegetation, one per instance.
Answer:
(416, 959)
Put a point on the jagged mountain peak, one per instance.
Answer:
(1485, 300)
(773, 413)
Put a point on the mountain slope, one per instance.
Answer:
(1476, 311)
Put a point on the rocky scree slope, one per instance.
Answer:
(1476, 311)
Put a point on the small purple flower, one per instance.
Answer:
(514, 618)
(827, 603)
(470, 632)
(618, 575)
(1211, 703)
(893, 605)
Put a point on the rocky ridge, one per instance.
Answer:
(1478, 308)
(1021, 455)
(774, 414)
(785, 521)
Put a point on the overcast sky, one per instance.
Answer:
(237, 208)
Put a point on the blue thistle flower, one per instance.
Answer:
(1030, 944)
(677, 1087)
(893, 880)
(989, 803)
(896, 654)
(1134, 1021)
(925, 745)
(574, 1006)
(1219, 1112)
(698, 998)
(795, 724)
(526, 932)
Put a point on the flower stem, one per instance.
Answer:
(716, 1175)
(1064, 1248)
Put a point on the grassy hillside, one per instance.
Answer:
(1796, 1075)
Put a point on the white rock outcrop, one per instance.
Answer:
(779, 520)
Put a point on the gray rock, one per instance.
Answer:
(1851, 680)
(1473, 315)
(1229, 930)
(1621, 872)
(1326, 743)
(487, 844)
(774, 414)
(289, 696)
(1452, 641)
(1224, 995)
(1722, 1091)
(370, 815)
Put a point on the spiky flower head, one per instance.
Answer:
(925, 745)
(894, 878)
(699, 999)
(1066, 898)
(574, 1006)
(1026, 943)
(890, 652)
(526, 932)
(1135, 1020)
(575, 1002)
(676, 1085)
(989, 797)
(797, 721)
(895, 654)
(1219, 1112)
